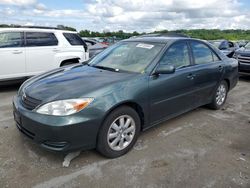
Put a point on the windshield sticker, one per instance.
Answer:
(147, 46)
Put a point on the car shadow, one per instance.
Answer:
(10, 87)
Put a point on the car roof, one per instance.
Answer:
(159, 39)
(35, 29)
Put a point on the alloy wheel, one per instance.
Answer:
(221, 94)
(121, 132)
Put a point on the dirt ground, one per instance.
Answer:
(202, 148)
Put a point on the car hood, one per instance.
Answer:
(243, 51)
(72, 82)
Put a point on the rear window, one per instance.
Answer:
(73, 39)
(40, 39)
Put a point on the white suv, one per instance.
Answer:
(25, 52)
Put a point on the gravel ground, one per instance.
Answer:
(202, 148)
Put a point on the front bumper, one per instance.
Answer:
(244, 67)
(64, 133)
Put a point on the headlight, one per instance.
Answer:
(64, 107)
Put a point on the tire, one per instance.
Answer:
(113, 146)
(219, 101)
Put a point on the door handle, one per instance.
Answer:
(56, 50)
(191, 76)
(220, 68)
(17, 52)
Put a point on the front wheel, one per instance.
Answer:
(119, 132)
(220, 96)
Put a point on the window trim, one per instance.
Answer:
(25, 39)
(212, 51)
(22, 39)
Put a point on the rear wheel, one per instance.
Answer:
(220, 96)
(119, 132)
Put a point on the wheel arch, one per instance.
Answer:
(73, 60)
(132, 105)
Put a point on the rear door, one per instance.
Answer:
(171, 94)
(41, 48)
(208, 70)
(12, 54)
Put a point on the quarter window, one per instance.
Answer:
(40, 39)
(73, 39)
(10, 39)
(177, 55)
(202, 53)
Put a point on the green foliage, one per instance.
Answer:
(206, 34)
(118, 34)
(11, 25)
(213, 34)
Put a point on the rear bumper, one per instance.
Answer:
(63, 134)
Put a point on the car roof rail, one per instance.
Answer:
(170, 34)
(39, 27)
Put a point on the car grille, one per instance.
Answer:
(244, 59)
(29, 102)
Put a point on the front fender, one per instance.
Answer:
(134, 91)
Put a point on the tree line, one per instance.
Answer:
(207, 34)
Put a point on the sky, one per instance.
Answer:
(128, 15)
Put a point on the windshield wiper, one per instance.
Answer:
(106, 68)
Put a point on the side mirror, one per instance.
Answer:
(164, 69)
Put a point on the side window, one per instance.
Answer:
(73, 39)
(177, 55)
(40, 39)
(10, 39)
(202, 53)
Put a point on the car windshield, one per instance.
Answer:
(247, 46)
(127, 56)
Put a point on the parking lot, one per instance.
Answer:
(202, 148)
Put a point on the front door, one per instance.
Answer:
(171, 94)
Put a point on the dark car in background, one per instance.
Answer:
(94, 46)
(225, 46)
(243, 57)
(130, 87)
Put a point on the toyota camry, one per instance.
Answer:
(131, 86)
